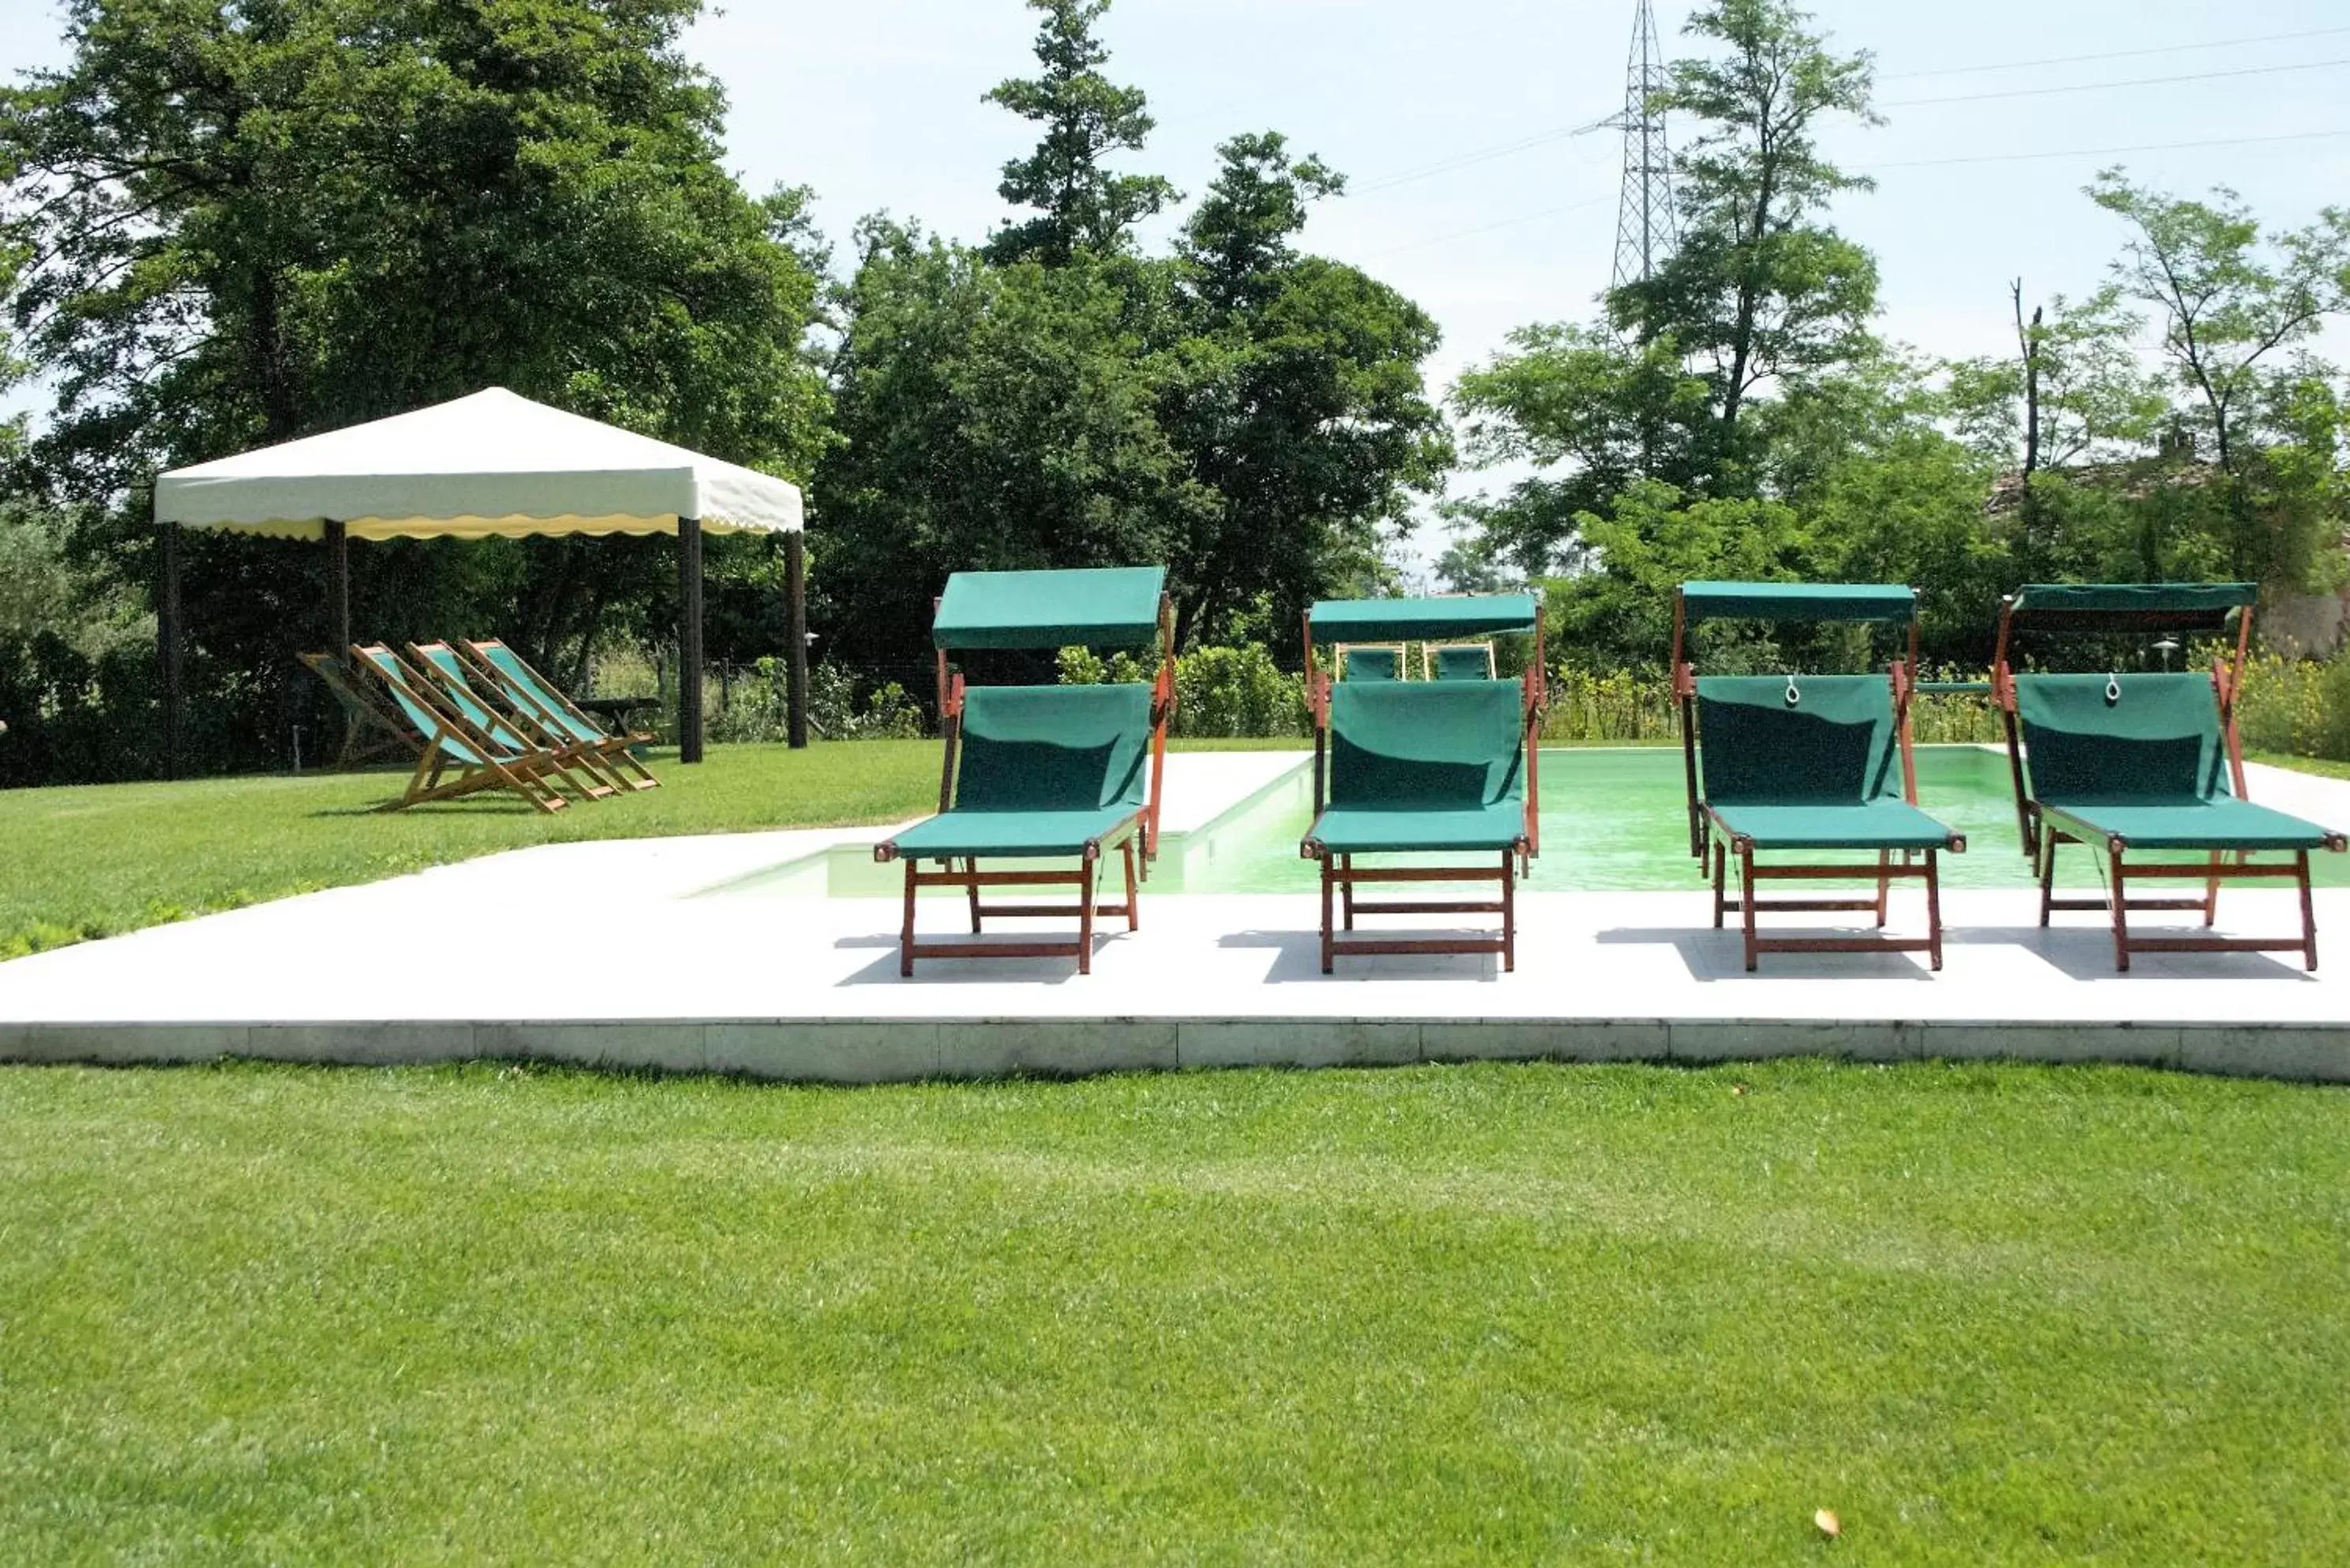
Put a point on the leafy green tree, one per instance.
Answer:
(1079, 203)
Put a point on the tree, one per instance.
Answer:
(1080, 204)
(250, 223)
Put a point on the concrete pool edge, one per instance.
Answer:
(887, 1050)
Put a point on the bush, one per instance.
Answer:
(1224, 693)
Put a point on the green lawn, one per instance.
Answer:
(1538, 1314)
(2323, 767)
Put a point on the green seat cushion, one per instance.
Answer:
(1869, 825)
(2220, 823)
(1370, 829)
(1836, 744)
(1014, 834)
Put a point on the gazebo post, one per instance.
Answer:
(795, 630)
(338, 590)
(688, 639)
(167, 627)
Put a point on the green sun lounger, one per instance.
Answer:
(373, 727)
(1459, 661)
(2130, 762)
(528, 691)
(493, 712)
(1806, 766)
(460, 757)
(1370, 663)
(1428, 768)
(1038, 773)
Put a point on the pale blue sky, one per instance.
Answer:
(876, 103)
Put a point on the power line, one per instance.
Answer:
(2105, 151)
(2113, 55)
(2100, 86)
(1489, 228)
(1463, 159)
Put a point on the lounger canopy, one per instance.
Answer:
(1856, 602)
(1115, 607)
(1415, 620)
(2164, 606)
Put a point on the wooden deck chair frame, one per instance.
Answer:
(1431, 655)
(578, 763)
(1136, 840)
(2044, 829)
(495, 765)
(1714, 843)
(1340, 875)
(373, 729)
(558, 716)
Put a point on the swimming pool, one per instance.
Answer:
(1613, 820)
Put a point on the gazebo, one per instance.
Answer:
(491, 465)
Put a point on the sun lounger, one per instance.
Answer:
(1807, 764)
(480, 759)
(493, 712)
(1430, 768)
(373, 727)
(1040, 774)
(2138, 764)
(1373, 662)
(528, 691)
(1458, 662)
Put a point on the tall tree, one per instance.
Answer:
(1079, 203)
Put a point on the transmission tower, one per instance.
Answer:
(1646, 227)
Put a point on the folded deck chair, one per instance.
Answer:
(1442, 768)
(1807, 765)
(1458, 662)
(2146, 763)
(1381, 661)
(529, 692)
(1043, 772)
(481, 760)
(372, 726)
(492, 713)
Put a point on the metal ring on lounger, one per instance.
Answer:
(1794, 694)
(2112, 689)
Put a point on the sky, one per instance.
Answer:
(1997, 112)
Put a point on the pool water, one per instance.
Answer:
(1616, 821)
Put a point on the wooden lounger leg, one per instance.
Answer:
(1133, 897)
(2121, 909)
(972, 867)
(1721, 873)
(1746, 897)
(1934, 906)
(2308, 912)
(1329, 940)
(1885, 883)
(2211, 893)
(906, 928)
(1510, 917)
(1089, 887)
(1346, 888)
(2047, 849)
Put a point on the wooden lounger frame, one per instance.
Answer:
(1712, 841)
(574, 759)
(1341, 875)
(373, 729)
(2044, 829)
(612, 757)
(530, 775)
(1136, 839)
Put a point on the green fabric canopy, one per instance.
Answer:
(1424, 765)
(1887, 602)
(1044, 770)
(1417, 620)
(2164, 606)
(1821, 772)
(1101, 608)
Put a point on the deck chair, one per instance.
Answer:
(1458, 662)
(2126, 762)
(1807, 765)
(1439, 768)
(481, 760)
(1382, 661)
(373, 728)
(529, 692)
(488, 709)
(1039, 774)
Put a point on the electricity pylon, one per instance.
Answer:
(1646, 227)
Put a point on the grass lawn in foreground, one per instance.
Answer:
(1538, 1314)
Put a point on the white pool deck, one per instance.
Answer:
(634, 953)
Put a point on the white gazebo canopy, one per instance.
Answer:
(492, 464)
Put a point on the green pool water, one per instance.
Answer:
(1615, 821)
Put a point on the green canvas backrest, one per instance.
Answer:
(2159, 741)
(458, 687)
(557, 712)
(1054, 748)
(1835, 744)
(427, 723)
(1373, 664)
(1427, 743)
(1464, 663)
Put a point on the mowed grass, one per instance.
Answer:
(1533, 1314)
